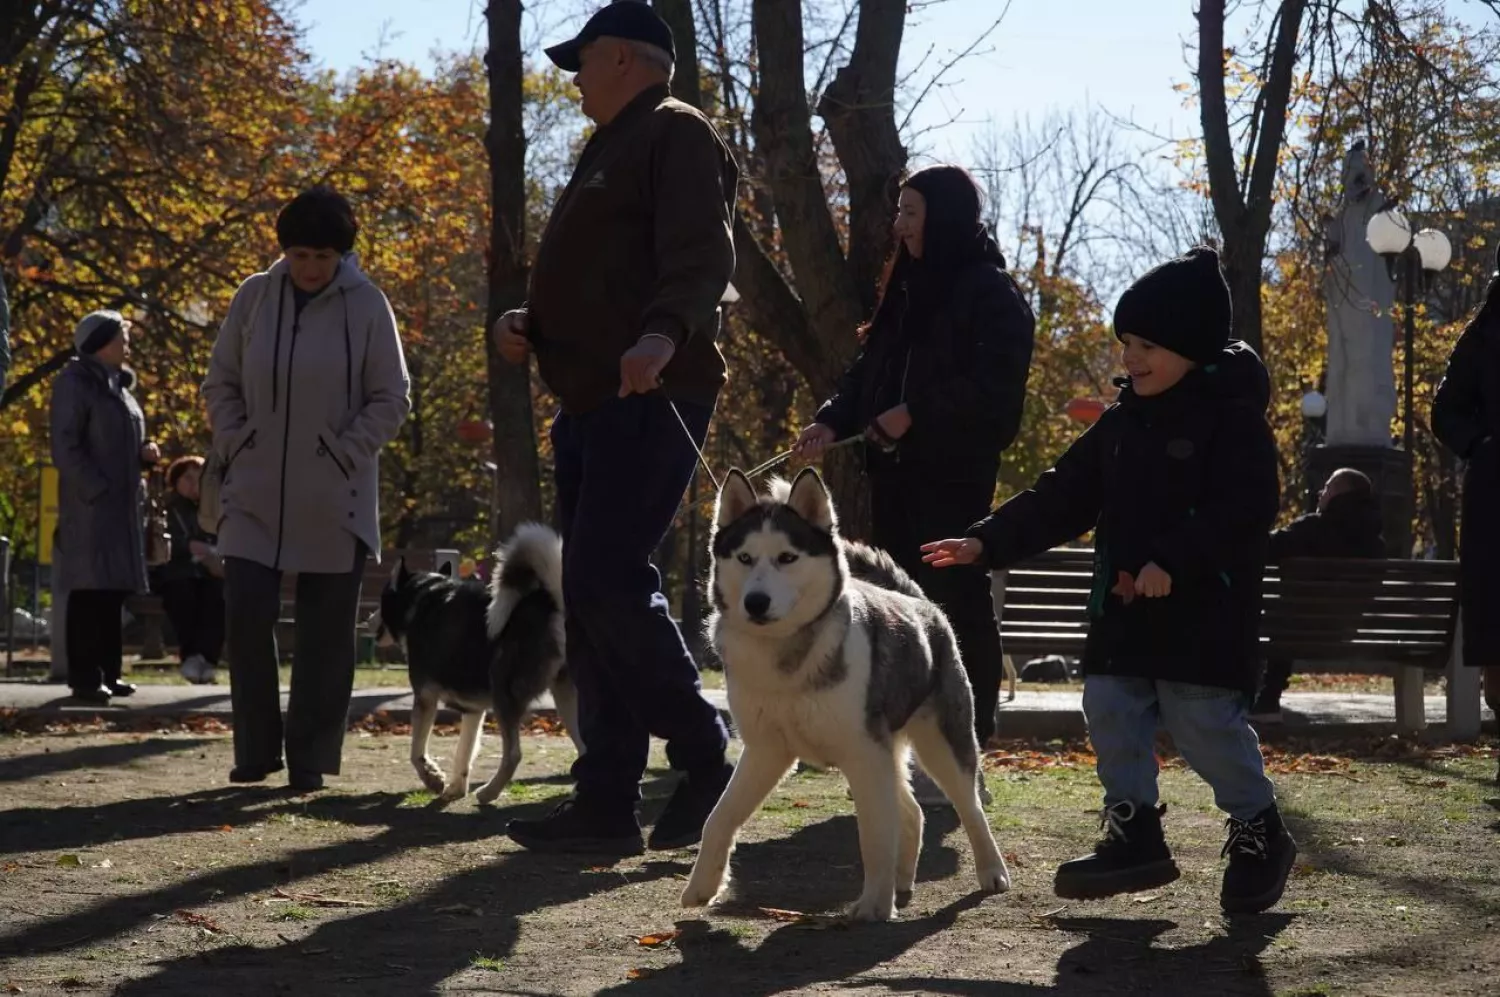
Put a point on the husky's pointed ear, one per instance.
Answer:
(398, 572)
(809, 499)
(446, 569)
(736, 497)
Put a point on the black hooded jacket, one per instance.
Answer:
(953, 343)
(1350, 526)
(1186, 479)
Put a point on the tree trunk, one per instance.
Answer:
(518, 488)
(812, 313)
(1242, 204)
(679, 16)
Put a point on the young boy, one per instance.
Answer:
(1178, 482)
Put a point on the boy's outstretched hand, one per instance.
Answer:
(1153, 583)
(947, 553)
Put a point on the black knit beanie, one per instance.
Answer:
(318, 218)
(1183, 305)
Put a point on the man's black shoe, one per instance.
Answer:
(681, 823)
(580, 827)
(121, 689)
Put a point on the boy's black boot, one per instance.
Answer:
(1261, 852)
(1133, 856)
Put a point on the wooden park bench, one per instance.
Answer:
(1368, 616)
(148, 608)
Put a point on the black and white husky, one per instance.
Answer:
(479, 649)
(833, 655)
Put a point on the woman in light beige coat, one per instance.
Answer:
(307, 383)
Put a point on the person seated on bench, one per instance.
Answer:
(1347, 524)
(190, 585)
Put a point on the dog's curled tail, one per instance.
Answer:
(875, 566)
(530, 560)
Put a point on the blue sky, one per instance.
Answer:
(1048, 54)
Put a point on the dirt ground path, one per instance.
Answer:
(128, 866)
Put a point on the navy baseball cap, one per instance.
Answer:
(632, 20)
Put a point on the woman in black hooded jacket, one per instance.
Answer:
(938, 389)
(1466, 418)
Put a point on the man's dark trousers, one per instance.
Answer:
(621, 471)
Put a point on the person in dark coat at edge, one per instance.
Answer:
(623, 314)
(1466, 418)
(1178, 481)
(938, 389)
(1347, 523)
(99, 447)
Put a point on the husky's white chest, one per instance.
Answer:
(813, 711)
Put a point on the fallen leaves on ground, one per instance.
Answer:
(658, 939)
(1318, 755)
(199, 921)
(16, 721)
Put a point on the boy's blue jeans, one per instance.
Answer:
(1207, 724)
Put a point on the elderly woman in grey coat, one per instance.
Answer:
(99, 447)
(307, 383)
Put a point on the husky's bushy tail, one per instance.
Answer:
(530, 560)
(873, 565)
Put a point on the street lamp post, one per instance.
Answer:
(1423, 255)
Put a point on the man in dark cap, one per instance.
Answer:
(623, 313)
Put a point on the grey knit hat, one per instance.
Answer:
(96, 331)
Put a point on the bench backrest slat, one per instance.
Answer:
(1326, 609)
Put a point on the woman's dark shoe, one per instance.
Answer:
(248, 773)
(305, 782)
(98, 697)
(121, 689)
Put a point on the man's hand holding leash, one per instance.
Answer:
(510, 336)
(642, 364)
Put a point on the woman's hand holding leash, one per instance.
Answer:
(814, 440)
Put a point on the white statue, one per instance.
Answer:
(1359, 292)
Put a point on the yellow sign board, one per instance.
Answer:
(47, 522)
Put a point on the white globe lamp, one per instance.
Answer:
(1388, 233)
(1435, 249)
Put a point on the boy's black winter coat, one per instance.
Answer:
(1187, 479)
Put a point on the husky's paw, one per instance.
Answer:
(431, 775)
(454, 792)
(699, 893)
(489, 792)
(877, 908)
(995, 878)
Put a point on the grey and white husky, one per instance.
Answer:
(833, 655)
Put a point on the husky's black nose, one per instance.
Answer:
(757, 605)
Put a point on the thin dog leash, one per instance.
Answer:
(758, 469)
(755, 472)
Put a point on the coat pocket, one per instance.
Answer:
(326, 450)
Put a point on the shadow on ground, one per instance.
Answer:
(104, 756)
(418, 944)
(1118, 956)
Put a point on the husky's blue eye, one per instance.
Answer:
(744, 558)
(786, 558)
